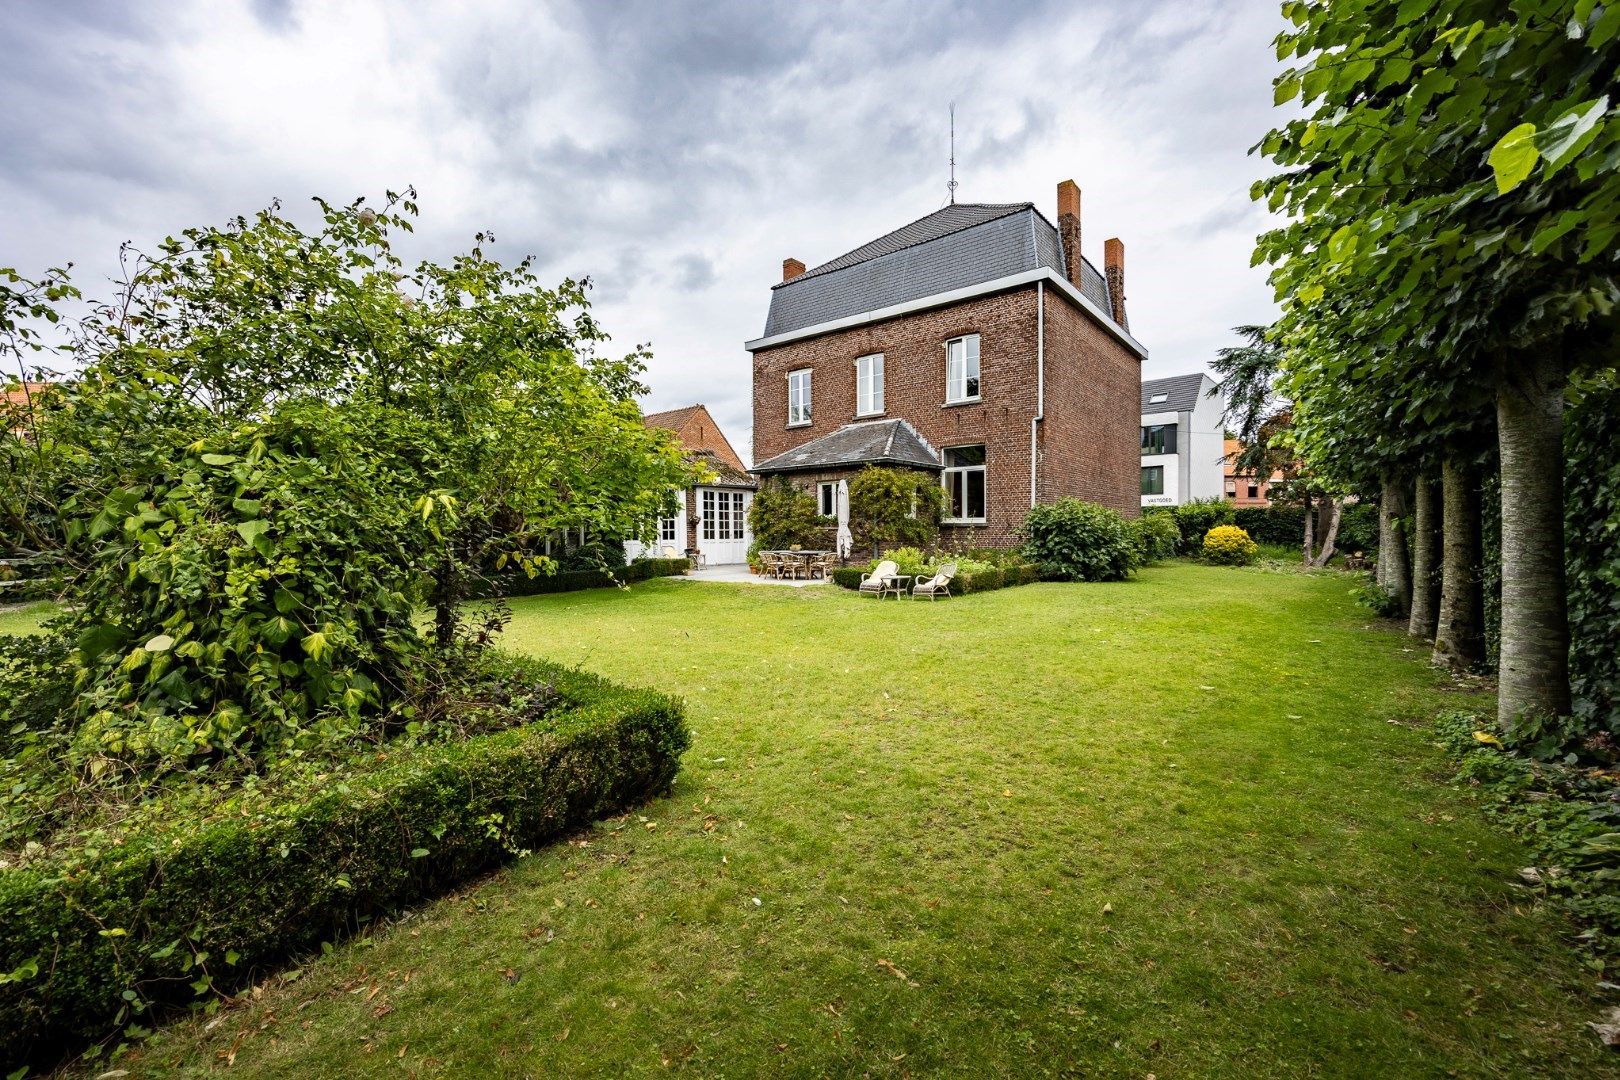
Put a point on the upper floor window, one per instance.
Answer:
(962, 369)
(964, 483)
(869, 385)
(799, 397)
(1159, 439)
(1158, 399)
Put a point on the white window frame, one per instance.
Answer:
(869, 385)
(948, 478)
(666, 530)
(800, 396)
(956, 381)
(827, 498)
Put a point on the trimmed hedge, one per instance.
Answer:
(1272, 524)
(848, 576)
(574, 580)
(169, 914)
(966, 582)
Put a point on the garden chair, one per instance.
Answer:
(668, 552)
(821, 567)
(938, 585)
(877, 582)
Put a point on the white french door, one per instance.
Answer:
(723, 533)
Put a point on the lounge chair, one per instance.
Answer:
(877, 582)
(938, 585)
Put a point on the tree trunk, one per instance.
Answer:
(1459, 641)
(1335, 511)
(1310, 528)
(446, 585)
(1534, 675)
(1394, 574)
(1425, 560)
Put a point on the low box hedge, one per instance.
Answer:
(89, 937)
(519, 584)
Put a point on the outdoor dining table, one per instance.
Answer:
(801, 555)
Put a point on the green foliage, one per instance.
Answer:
(1079, 541)
(1592, 542)
(908, 560)
(1358, 529)
(894, 506)
(1378, 600)
(1282, 525)
(783, 517)
(574, 580)
(1569, 816)
(1228, 545)
(1155, 536)
(976, 571)
(1194, 519)
(848, 576)
(187, 906)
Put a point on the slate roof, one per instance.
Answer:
(1181, 393)
(875, 442)
(961, 245)
(726, 475)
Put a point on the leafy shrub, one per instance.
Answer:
(1592, 543)
(909, 560)
(784, 517)
(848, 576)
(518, 584)
(1275, 524)
(1196, 518)
(1358, 529)
(981, 580)
(186, 906)
(1156, 537)
(255, 597)
(1377, 599)
(888, 506)
(1079, 541)
(1228, 545)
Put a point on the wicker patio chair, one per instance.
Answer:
(877, 582)
(938, 585)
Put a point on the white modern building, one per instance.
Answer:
(1182, 440)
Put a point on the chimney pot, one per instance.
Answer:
(791, 268)
(1068, 211)
(1114, 268)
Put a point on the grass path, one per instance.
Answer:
(1161, 826)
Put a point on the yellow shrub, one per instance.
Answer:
(1229, 546)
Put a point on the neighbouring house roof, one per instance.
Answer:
(875, 442)
(962, 245)
(698, 432)
(1181, 393)
(16, 399)
(726, 475)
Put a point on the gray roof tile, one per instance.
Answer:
(874, 442)
(1181, 393)
(959, 246)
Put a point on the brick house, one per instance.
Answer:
(976, 344)
(712, 519)
(1245, 489)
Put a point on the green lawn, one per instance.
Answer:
(24, 618)
(1164, 826)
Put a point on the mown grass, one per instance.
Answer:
(24, 618)
(1186, 825)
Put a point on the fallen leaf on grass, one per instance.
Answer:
(382, 1010)
(1609, 1028)
(1108, 909)
(563, 1037)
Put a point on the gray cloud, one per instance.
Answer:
(675, 152)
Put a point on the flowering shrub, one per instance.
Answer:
(1229, 545)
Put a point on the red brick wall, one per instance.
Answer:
(1092, 447)
(1090, 441)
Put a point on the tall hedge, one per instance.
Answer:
(1592, 541)
(166, 915)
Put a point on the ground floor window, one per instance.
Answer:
(827, 498)
(666, 530)
(1153, 479)
(723, 517)
(964, 483)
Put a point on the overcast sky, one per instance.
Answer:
(674, 152)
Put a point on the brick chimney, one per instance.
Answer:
(791, 268)
(1114, 270)
(1068, 198)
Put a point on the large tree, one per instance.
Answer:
(1455, 173)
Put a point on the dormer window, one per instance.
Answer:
(962, 369)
